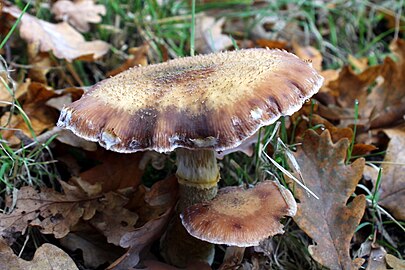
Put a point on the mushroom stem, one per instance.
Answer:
(198, 174)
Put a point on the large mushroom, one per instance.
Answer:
(194, 106)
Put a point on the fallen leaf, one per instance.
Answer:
(359, 64)
(394, 262)
(271, 44)
(78, 13)
(139, 239)
(115, 171)
(113, 220)
(139, 57)
(92, 245)
(136, 240)
(41, 117)
(387, 98)
(5, 95)
(309, 53)
(53, 212)
(68, 137)
(47, 257)
(376, 260)
(40, 63)
(63, 40)
(392, 188)
(329, 221)
(208, 35)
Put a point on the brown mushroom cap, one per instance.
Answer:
(210, 101)
(239, 217)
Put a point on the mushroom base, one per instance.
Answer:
(198, 174)
(179, 248)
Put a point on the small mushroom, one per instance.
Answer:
(239, 217)
(196, 106)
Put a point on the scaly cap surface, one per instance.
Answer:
(210, 101)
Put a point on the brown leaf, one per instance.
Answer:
(63, 40)
(376, 260)
(116, 171)
(359, 64)
(40, 63)
(394, 262)
(139, 57)
(53, 212)
(271, 44)
(388, 96)
(93, 246)
(79, 13)
(392, 187)
(165, 193)
(113, 220)
(208, 35)
(68, 137)
(309, 53)
(139, 239)
(47, 257)
(41, 117)
(329, 221)
(5, 95)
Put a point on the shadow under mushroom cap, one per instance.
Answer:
(210, 101)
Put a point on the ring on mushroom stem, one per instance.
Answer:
(196, 106)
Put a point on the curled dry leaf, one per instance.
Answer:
(47, 257)
(392, 189)
(63, 40)
(329, 221)
(78, 13)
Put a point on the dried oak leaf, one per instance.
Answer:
(387, 99)
(136, 240)
(379, 89)
(79, 13)
(329, 221)
(392, 189)
(113, 220)
(53, 212)
(62, 39)
(47, 257)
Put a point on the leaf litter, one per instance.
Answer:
(83, 216)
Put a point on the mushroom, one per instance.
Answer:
(240, 217)
(194, 106)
